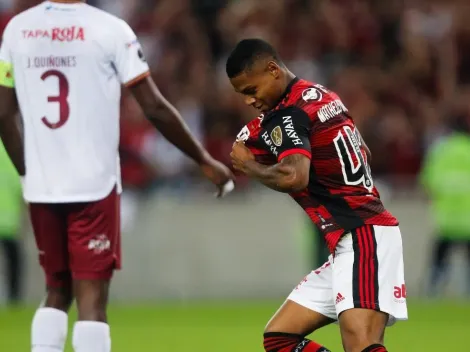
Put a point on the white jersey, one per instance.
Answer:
(67, 62)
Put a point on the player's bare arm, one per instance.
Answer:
(169, 122)
(291, 174)
(9, 129)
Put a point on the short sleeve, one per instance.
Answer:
(129, 58)
(6, 59)
(289, 130)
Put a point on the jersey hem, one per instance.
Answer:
(85, 198)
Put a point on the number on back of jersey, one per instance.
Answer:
(355, 169)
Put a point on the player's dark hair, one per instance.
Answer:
(246, 53)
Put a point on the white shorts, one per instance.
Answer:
(365, 272)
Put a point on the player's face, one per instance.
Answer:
(260, 86)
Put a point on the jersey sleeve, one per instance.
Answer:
(289, 130)
(6, 61)
(129, 59)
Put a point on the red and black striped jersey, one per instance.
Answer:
(313, 121)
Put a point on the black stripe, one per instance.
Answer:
(365, 254)
(283, 334)
(376, 268)
(355, 269)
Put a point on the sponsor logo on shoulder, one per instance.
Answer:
(312, 94)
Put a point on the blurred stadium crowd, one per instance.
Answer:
(402, 68)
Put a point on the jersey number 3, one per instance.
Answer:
(61, 99)
(355, 172)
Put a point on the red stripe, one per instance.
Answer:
(361, 266)
(294, 151)
(256, 151)
(372, 267)
(366, 266)
(379, 349)
(277, 341)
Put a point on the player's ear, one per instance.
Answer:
(274, 69)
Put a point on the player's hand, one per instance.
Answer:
(218, 174)
(240, 155)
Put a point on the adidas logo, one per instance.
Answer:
(339, 298)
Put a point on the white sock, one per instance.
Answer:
(49, 330)
(91, 336)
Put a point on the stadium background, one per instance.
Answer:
(205, 275)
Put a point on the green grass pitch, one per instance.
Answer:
(238, 327)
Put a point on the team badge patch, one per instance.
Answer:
(311, 94)
(276, 136)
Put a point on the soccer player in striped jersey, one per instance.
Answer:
(305, 143)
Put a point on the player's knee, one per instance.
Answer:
(91, 309)
(269, 328)
(356, 339)
(279, 327)
(362, 328)
(59, 298)
(92, 299)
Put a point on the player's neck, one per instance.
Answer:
(288, 77)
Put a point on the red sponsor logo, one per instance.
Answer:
(399, 291)
(69, 34)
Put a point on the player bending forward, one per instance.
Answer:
(64, 62)
(306, 144)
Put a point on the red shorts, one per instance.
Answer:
(78, 240)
